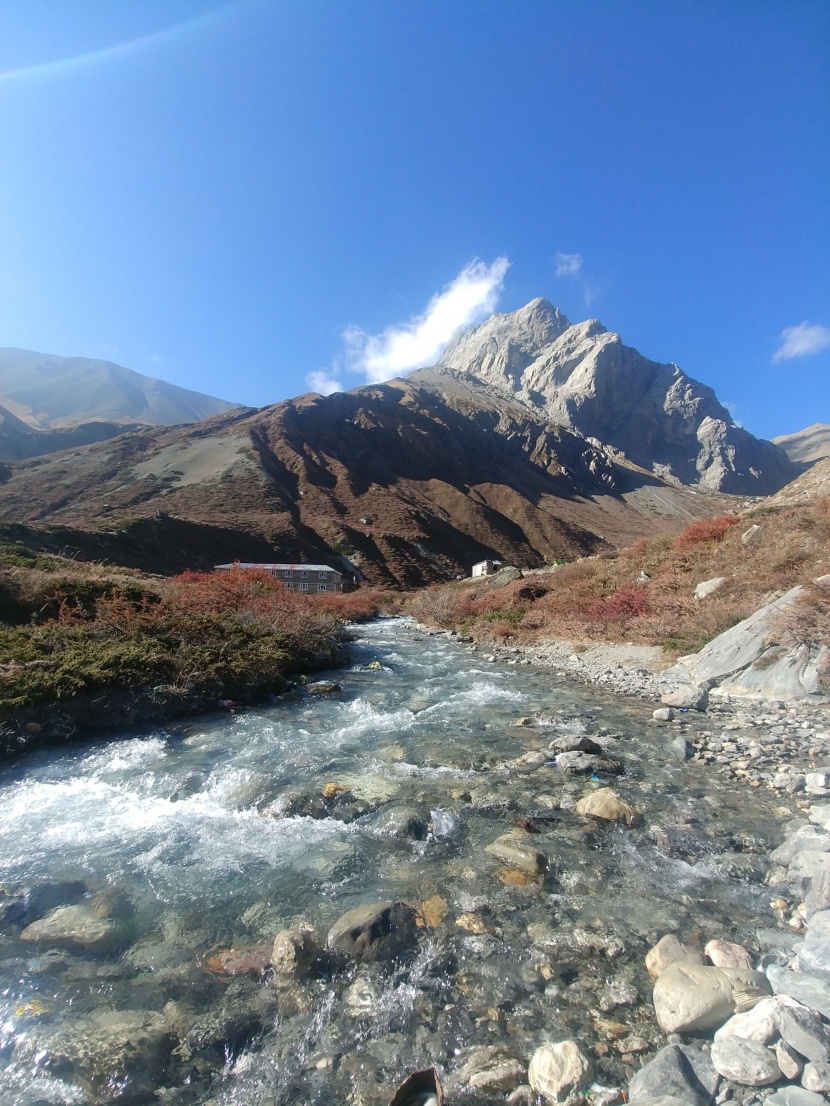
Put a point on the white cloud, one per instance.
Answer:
(802, 340)
(568, 264)
(321, 382)
(468, 299)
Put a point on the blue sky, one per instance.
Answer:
(235, 196)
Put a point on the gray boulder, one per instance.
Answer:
(814, 954)
(795, 1096)
(405, 823)
(803, 1029)
(679, 1071)
(816, 1077)
(806, 989)
(745, 1062)
(688, 697)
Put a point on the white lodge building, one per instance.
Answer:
(296, 577)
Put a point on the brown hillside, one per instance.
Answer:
(444, 478)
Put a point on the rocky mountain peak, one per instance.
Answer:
(581, 376)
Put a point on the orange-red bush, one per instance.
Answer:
(706, 530)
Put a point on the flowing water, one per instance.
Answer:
(181, 844)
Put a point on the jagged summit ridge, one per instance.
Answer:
(583, 377)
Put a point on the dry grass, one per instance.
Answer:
(645, 594)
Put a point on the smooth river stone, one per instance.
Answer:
(74, 927)
(690, 997)
(745, 1062)
(514, 850)
(669, 950)
(759, 1024)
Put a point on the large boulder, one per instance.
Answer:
(375, 931)
(75, 927)
(516, 849)
(690, 997)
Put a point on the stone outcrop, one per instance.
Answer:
(584, 378)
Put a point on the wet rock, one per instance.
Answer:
(559, 1072)
(745, 1062)
(251, 960)
(221, 1029)
(119, 1054)
(489, 1069)
(606, 804)
(816, 1077)
(726, 954)
(324, 687)
(584, 764)
(688, 697)
(75, 927)
(374, 931)
(688, 997)
(681, 749)
(669, 950)
(514, 849)
(574, 743)
(404, 823)
(294, 951)
(361, 998)
(44, 897)
(663, 714)
(814, 954)
(678, 1071)
(422, 1088)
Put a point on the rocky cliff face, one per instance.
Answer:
(582, 377)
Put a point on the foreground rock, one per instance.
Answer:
(75, 927)
(692, 998)
(607, 805)
(679, 1071)
(373, 932)
(559, 1072)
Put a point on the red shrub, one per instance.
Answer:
(706, 530)
(625, 602)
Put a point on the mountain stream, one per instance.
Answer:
(144, 880)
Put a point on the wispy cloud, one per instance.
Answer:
(802, 340)
(571, 265)
(420, 341)
(468, 299)
(321, 381)
(568, 264)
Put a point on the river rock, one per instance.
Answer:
(805, 867)
(806, 989)
(726, 954)
(663, 714)
(406, 823)
(690, 997)
(795, 1096)
(575, 743)
(706, 587)
(818, 897)
(688, 697)
(803, 1029)
(745, 1062)
(677, 1071)
(681, 748)
(669, 950)
(515, 850)
(789, 1061)
(585, 764)
(559, 1072)
(605, 803)
(816, 1077)
(814, 954)
(759, 1024)
(374, 931)
(104, 1051)
(489, 1069)
(75, 927)
(294, 951)
(806, 839)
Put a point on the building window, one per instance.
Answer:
(303, 587)
(288, 574)
(322, 587)
(290, 587)
(304, 575)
